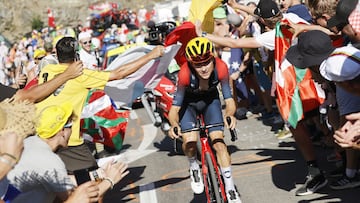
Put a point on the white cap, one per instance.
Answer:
(84, 35)
(343, 64)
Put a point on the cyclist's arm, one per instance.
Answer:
(176, 105)
(174, 115)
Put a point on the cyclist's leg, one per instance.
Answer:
(187, 117)
(188, 121)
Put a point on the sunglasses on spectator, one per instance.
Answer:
(87, 42)
(68, 125)
(39, 58)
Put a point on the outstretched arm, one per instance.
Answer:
(248, 42)
(40, 92)
(127, 69)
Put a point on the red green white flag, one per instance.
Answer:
(295, 90)
(101, 121)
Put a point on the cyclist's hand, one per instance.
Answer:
(173, 134)
(232, 124)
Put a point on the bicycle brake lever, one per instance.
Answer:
(232, 131)
(176, 131)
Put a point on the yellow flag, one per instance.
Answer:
(202, 10)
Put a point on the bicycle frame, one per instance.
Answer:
(214, 186)
(206, 149)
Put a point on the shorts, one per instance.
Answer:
(208, 105)
(77, 157)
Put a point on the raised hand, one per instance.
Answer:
(74, 70)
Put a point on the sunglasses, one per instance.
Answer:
(202, 60)
(68, 125)
(39, 58)
(86, 42)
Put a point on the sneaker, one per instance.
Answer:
(312, 184)
(345, 183)
(233, 196)
(283, 134)
(197, 184)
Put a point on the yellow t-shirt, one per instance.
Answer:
(74, 91)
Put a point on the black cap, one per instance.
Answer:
(313, 47)
(266, 9)
(343, 11)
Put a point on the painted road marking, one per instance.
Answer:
(148, 193)
(133, 115)
(150, 132)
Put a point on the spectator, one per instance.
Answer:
(46, 177)
(343, 67)
(295, 6)
(85, 52)
(17, 121)
(77, 155)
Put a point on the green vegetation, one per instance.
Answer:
(37, 23)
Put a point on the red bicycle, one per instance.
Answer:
(213, 182)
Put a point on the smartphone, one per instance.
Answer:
(82, 176)
(77, 56)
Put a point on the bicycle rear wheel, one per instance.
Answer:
(213, 182)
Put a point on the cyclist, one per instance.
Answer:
(197, 93)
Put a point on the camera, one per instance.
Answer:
(158, 32)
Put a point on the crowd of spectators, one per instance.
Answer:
(327, 43)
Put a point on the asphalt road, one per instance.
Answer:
(265, 169)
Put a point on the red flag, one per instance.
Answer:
(183, 34)
(296, 91)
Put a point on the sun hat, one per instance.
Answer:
(84, 35)
(52, 119)
(343, 64)
(313, 47)
(219, 13)
(18, 117)
(39, 53)
(343, 10)
(266, 9)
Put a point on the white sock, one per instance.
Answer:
(229, 182)
(193, 163)
(350, 172)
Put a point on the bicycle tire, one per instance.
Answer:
(214, 182)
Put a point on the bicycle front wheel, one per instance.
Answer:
(213, 182)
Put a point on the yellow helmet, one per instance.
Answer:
(199, 51)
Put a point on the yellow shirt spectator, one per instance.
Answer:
(74, 91)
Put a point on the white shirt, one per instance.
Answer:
(88, 60)
(267, 39)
